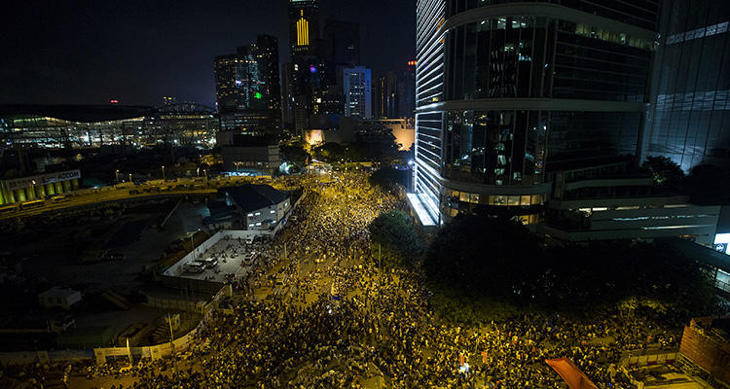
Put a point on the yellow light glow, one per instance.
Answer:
(303, 31)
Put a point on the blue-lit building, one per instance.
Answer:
(356, 88)
(248, 92)
(689, 116)
(509, 92)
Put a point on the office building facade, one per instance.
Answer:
(508, 91)
(394, 93)
(247, 88)
(689, 116)
(356, 87)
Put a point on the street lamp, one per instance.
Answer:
(116, 174)
(163, 172)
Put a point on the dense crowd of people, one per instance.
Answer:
(333, 319)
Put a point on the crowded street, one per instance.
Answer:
(321, 313)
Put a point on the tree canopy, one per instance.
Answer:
(295, 153)
(484, 257)
(665, 172)
(395, 233)
(388, 177)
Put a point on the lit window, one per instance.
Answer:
(258, 224)
(250, 215)
(258, 213)
(273, 211)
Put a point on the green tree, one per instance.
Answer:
(485, 256)
(295, 154)
(396, 235)
(665, 172)
(388, 177)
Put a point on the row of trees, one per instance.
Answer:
(482, 257)
(478, 267)
(705, 184)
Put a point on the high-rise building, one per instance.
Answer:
(507, 91)
(394, 93)
(306, 67)
(385, 95)
(303, 26)
(287, 96)
(356, 86)
(229, 70)
(247, 88)
(267, 57)
(342, 42)
(689, 116)
(407, 92)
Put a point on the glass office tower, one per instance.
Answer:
(689, 119)
(508, 91)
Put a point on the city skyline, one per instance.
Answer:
(94, 53)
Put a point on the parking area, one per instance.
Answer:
(226, 259)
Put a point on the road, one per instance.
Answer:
(157, 188)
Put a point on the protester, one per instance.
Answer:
(319, 313)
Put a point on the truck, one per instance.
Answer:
(195, 268)
(208, 263)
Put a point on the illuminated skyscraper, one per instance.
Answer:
(247, 88)
(303, 26)
(356, 90)
(508, 91)
(306, 67)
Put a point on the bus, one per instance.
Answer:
(32, 204)
(8, 209)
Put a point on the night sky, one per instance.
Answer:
(89, 51)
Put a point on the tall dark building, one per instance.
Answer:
(342, 42)
(306, 67)
(385, 95)
(247, 88)
(509, 90)
(267, 56)
(303, 26)
(689, 116)
(394, 93)
(229, 70)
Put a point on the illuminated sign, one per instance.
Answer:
(303, 31)
(258, 95)
(22, 183)
(113, 101)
